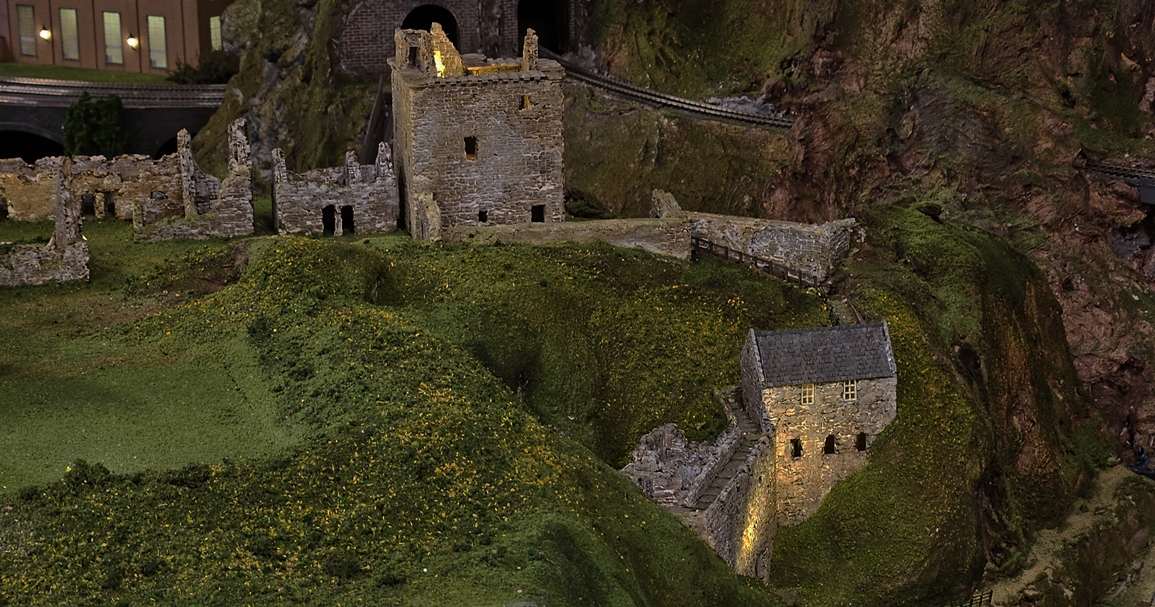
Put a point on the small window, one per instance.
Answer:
(157, 43)
(69, 39)
(807, 394)
(525, 103)
(471, 148)
(26, 22)
(796, 448)
(483, 216)
(850, 389)
(537, 213)
(215, 33)
(860, 441)
(413, 56)
(830, 446)
(113, 50)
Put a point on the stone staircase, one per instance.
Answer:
(749, 434)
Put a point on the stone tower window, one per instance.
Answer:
(850, 389)
(483, 216)
(537, 213)
(828, 448)
(807, 394)
(471, 148)
(860, 441)
(796, 448)
(413, 56)
(525, 103)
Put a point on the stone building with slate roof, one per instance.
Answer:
(824, 394)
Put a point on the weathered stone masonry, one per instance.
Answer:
(485, 139)
(65, 257)
(825, 394)
(207, 207)
(363, 197)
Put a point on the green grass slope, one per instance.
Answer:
(425, 475)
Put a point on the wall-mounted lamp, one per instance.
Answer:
(44, 33)
(132, 41)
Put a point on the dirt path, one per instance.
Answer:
(1045, 556)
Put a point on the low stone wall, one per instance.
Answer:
(814, 250)
(40, 264)
(662, 236)
(740, 525)
(370, 192)
(207, 207)
(65, 257)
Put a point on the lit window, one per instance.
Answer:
(113, 50)
(157, 45)
(26, 21)
(807, 394)
(69, 40)
(525, 102)
(850, 389)
(215, 33)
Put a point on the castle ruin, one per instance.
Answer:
(482, 137)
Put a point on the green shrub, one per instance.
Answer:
(93, 126)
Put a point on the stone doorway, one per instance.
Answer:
(347, 220)
(329, 220)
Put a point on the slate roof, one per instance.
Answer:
(821, 355)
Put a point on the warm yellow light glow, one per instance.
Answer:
(132, 41)
(45, 34)
(439, 64)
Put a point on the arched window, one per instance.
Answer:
(796, 448)
(829, 446)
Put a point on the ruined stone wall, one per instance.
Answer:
(661, 236)
(752, 381)
(211, 208)
(370, 190)
(65, 257)
(802, 482)
(28, 192)
(740, 525)
(108, 184)
(512, 123)
(815, 250)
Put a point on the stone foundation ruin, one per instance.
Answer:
(65, 257)
(354, 198)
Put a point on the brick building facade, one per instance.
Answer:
(825, 394)
(489, 27)
(100, 34)
(483, 137)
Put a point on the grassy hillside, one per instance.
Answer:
(418, 460)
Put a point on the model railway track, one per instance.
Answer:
(63, 93)
(637, 93)
(1122, 172)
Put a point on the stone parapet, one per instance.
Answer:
(740, 524)
(661, 236)
(814, 250)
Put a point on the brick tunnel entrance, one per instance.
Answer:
(27, 146)
(549, 19)
(424, 16)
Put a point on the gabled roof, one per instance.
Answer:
(825, 354)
